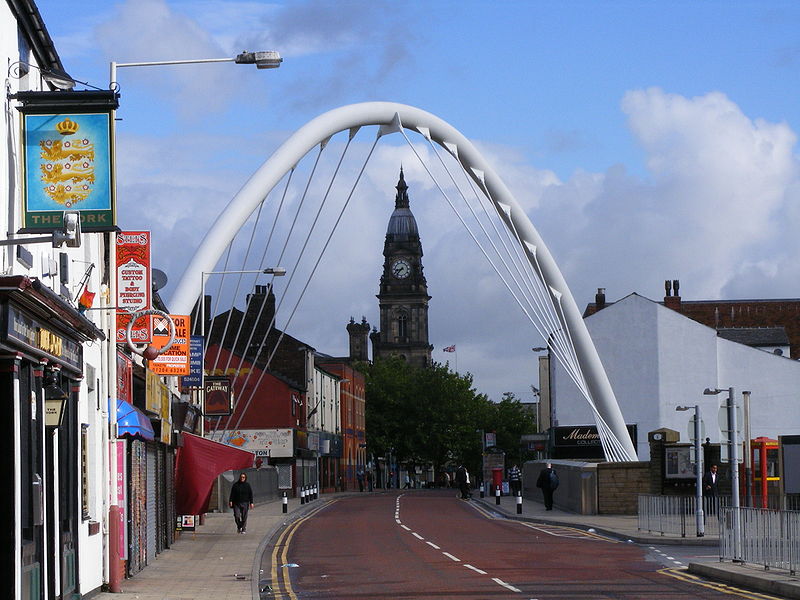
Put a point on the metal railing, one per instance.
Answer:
(676, 515)
(764, 537)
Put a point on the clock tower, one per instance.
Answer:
(403, 296)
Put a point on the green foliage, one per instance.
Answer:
(433, 416)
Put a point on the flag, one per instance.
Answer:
(86, 300)
(449, 348)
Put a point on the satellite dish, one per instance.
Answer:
(159, 279)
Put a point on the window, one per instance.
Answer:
(402, 326)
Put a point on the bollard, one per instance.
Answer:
(482, 493)
(519, 503)
(285, 503)
(302, 495)
(497, 495)
(316, 492)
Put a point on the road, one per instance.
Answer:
(430, 544)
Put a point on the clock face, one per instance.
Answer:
(401, 269)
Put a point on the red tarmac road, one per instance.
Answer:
(429, 544)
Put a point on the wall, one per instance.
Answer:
(619, 485)
(577, 490)
(264, 482)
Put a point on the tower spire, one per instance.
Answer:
(401, 199)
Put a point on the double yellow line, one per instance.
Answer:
(683, 575)
(281, 582)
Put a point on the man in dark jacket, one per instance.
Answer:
(241, 500)
(462, 479)
(548, 482)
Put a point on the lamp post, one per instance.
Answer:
(733, 461)
(698, 462)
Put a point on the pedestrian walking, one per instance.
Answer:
(515, 480)
(369, 481)
(446, 478)
(548, 482)
(360, 478)
(462, 479)
(241, 500)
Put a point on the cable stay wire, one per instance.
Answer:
(536, 324)
(261, 266)
(239, 279)
(311, 274)
(294, 271)
(249, 343)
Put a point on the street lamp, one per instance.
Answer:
(733, 461)
(262, 60)
(698, 461)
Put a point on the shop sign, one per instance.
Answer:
(581, 441)
(195, 376)
(134, 284)
(124, 378)
(175, 361)
(218, 398)
(152, 392)
(67, 166)
(266, 443)
(25, 331)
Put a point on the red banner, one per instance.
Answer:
(134, 284)
(198, 463)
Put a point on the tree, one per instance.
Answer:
(432, 416)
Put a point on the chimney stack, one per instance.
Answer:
(672, 299)
(600, 299)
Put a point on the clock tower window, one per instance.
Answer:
(402, 326)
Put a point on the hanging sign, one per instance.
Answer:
(124, 378)
(195, 376)
(67, 159)
(175, 361)
(218, 397)
(134, 284)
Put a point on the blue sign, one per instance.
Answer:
(195, 376)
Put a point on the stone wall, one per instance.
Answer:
(619, 486)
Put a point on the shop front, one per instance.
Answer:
(41, 368)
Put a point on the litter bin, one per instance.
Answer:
(497, 479)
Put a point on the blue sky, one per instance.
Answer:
(646, 140)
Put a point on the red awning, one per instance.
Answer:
(198, 462)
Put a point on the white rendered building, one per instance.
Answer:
(657, 359)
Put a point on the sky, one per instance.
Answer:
(645, 140)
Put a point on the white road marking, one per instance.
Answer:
(451, 557)
(406, 528)
(397, 521)
(505, 585)
(476, 569)
(432, 545)
(416, 535)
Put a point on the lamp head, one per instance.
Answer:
(711, 392)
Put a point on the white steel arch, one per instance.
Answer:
(391, 117)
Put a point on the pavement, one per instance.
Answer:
(215, 562)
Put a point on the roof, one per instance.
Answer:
(756, 336)
(402, 223)
(30, 22)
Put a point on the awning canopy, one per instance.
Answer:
(198, 462)
(132, 422)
